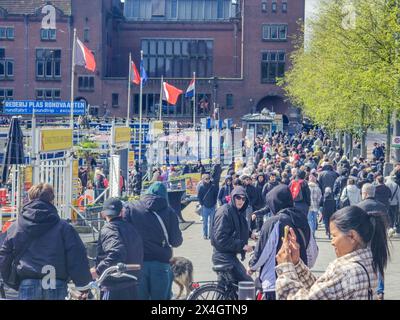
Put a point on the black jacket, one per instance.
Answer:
(383, 194)
(370, 205)
(339, 185)
(230, 231)
(328, 204)
(268, 187)
(118, 242)
(327, 178)
(141, 215)
(53, 242)
(215, 173)
(252, 195)
(207, 195)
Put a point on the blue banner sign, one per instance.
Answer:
(21, 107)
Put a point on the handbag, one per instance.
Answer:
(13, 280)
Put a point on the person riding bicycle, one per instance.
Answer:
(119, 242)
(230, 234)
(280, 202)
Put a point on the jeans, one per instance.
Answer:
(31, 289)
(207, 214)
(381, 285)
(394, 213)
(155, 282)
(312, 220)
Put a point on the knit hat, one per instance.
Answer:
(158, 189)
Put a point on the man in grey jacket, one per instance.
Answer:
(394, 205)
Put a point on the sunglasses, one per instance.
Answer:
(240, 198)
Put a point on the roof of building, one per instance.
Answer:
(265, 115)
(31, 6)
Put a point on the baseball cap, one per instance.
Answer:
(112, 207)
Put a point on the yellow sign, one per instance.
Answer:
(55, 139)
(158, 127)
(192, 180)
(131, 160)
(122, 135)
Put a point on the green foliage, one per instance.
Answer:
(347, 72)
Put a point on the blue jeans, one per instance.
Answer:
(381, 285)
(155, 282)
(312, 220)
(207, 213)
(31, 289)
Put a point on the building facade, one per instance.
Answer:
(237, 48)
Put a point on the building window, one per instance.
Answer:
(48, 94)
(274, 6)
(178, 58)
(264, 6)
(272, 66)
(86, 83)
(7, 33)
(284, 6)
(6, 94)
(229, 101)
(6, 69)
(184, 10)
(114, 99)
(86, 35)
(48, 34)
(48, 64)
(274, 32)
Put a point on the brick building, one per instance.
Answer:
(236, 47)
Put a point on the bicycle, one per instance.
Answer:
(223, 289)
(94, 287)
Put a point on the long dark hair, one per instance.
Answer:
(371, 227)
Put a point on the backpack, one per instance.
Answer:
(295, 190)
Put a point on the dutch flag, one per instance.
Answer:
(190, 90)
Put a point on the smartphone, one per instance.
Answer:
(286, 233)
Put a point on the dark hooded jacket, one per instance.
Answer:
(327, 178)
(141, 215)
(53, 242)
(280, 202)
(230, 232)
(118, 242)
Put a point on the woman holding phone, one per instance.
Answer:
(361, 247)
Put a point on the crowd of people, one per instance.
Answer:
(300, 181)
(294, 182)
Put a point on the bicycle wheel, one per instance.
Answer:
(208, 292)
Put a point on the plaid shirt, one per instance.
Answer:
(343, 280)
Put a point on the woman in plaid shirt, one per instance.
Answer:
(361, 247)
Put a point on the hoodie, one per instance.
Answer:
(140, 214)
(353, 193)
(52, 242)
(230, 231)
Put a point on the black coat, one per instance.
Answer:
(118, 242)
(207, 195)
(141, 215)
(230, 231)
(54, 242)
(268, 187)
(339, 185)
(327, 178)
(252, 195)
(383, 194)
(370, 205)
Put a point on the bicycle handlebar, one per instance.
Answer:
(119, 269)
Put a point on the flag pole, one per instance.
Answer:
(129, 91)
(161, 94)
(194, 101)
(72, 81)
(140, 110)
